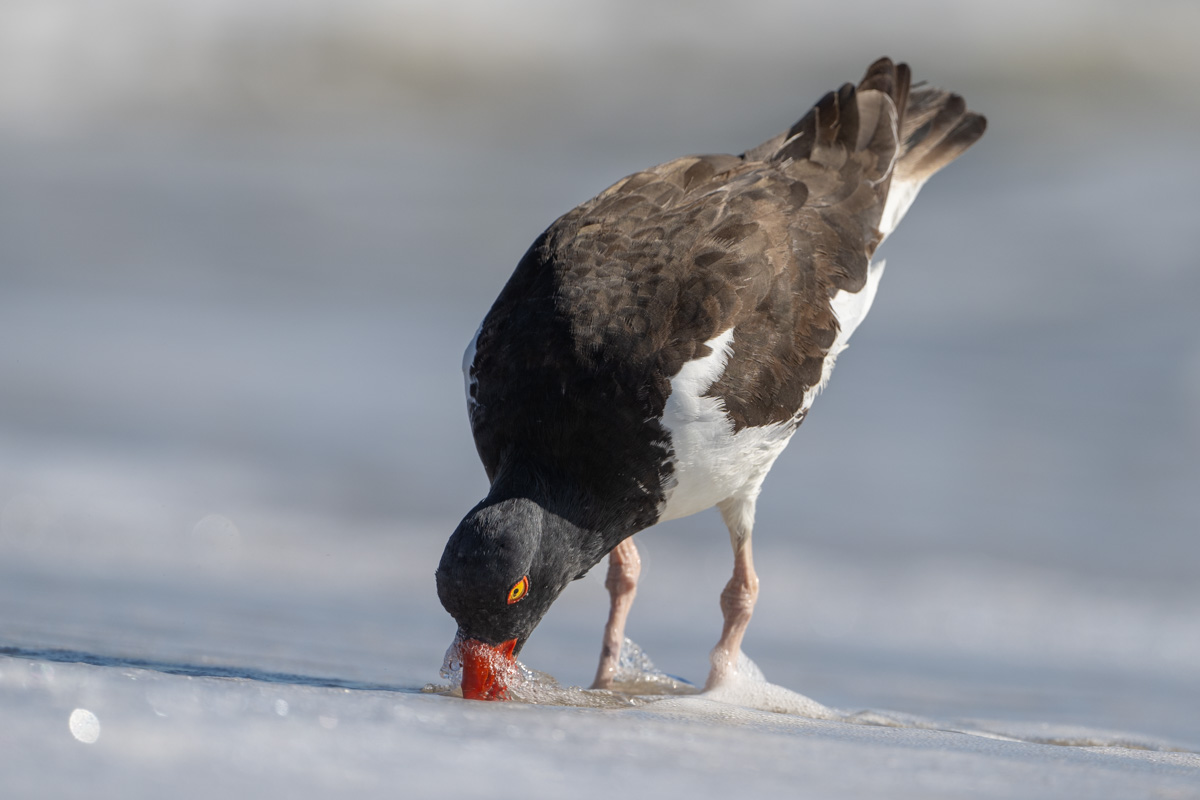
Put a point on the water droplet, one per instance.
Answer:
(84, 725)
(636, 674)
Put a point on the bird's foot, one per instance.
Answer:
(606, 672)
(724, 666)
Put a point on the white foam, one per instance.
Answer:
(747, 687)
(639, 683)
(530, 686)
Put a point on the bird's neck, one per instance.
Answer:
(570, 511)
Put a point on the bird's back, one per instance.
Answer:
(752, 269)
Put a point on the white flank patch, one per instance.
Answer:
(712, 462)
(467, 363)
(900, 196)
(850, 309)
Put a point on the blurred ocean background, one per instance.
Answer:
(243, 245)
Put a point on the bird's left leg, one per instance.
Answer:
(737, 601)
(624, 566)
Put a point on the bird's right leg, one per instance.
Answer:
(624, 566)
(737, 601)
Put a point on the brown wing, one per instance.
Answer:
(620, 292)
(758, 243)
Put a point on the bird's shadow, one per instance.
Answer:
(65, 656)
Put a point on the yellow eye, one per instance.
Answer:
(519, 589)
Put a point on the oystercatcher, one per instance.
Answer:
(657, 347)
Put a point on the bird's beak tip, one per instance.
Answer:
(486, 669)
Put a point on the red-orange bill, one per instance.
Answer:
(486, 669)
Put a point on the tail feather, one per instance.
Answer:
(935, 129)
(966, 130)
(890, 79)
(883, 134)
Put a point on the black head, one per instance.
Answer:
(503, 567)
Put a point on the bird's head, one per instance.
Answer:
(503, 567)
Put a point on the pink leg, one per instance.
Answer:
(624, 566)
(737, 601)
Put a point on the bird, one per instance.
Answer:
(656, 348)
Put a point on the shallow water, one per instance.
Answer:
(639, 683)
(150, 731)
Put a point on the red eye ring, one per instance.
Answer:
(519, 590)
